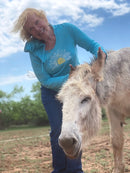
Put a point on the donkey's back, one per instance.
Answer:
(115, 88)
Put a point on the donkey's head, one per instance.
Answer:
(81, 110)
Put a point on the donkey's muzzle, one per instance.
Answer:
(70, 145)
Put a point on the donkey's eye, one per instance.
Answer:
(86, 99)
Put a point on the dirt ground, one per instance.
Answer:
(33, 155)
(97, 157)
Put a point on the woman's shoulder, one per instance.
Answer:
(66, 27)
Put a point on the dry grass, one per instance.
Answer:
(33, 154)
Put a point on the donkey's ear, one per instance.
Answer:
(72, 69)
(98, 65)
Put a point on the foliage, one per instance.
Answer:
(2, 94)
(25, 111)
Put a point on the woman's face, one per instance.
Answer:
(38, 27)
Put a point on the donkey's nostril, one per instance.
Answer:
(67, 141)
(74, 141)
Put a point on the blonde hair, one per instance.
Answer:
(19, 23)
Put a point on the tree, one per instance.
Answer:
(24, 110)
(6, 106)
(39, 113)
(2, 94)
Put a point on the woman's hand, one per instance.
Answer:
(101, 54)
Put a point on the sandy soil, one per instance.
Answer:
(36, 157)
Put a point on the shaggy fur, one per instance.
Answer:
(89, 88)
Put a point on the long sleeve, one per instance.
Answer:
(84, 41)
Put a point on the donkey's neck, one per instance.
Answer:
(107, 86)
(116, 76)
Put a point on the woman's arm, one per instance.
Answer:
(84, 41)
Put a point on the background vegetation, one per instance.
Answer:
(24, 110)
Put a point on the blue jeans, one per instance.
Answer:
(53, 107)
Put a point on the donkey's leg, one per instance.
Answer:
(117, 139)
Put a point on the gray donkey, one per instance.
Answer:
(89, 88)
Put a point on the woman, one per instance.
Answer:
(52, 49)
